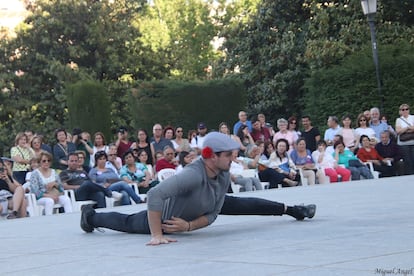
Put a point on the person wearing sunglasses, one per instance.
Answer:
(180, 143)
(46, 185)
(364, 129)
(405, 124)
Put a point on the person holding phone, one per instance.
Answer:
(11, 194)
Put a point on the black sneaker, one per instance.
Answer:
(303, 211)
(87, 211)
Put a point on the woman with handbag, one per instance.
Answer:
(46, 185)
(282, 166)
(404, 127)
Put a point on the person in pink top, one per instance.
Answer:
(284, 133)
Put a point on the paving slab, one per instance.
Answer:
(360, 228)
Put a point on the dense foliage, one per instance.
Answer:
(288, 54)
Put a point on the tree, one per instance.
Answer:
(267, 53)
(63, 42)
(181, 31)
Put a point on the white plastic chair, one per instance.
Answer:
(31, 208)
(165, 173)
(375, 174)
(77, 204)
(39, 209)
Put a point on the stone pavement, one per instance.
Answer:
(360, 228)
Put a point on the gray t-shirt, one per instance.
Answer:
(190, 194)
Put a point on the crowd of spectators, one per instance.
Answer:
(291, 154)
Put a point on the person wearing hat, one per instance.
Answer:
(191, 199)
(197, 142)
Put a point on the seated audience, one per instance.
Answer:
(143, 156)
(46, 185)
(81, 158)
(143, 142)
(364, 129)
(11, 194)
(263, 123)
(246, 140)
(333, 128)
(260, 133)
(36, 145)
(242, 122)
(122, 143)
(185, 158)
(168, 160)
(62, 149)
(168, 133)
(393, 133)
(311, 134)
(345, 157)
(348, 133)
(21, 154)
(236, 175)
(327, 163)
(136, 173)
(282, 169)
(114, 162)
(269, 148)
(223, 128)
(388, 149)
(76, 179)
(369, 154)
(179, 142)
(107, 178)
(83, 143)
(294, 127)
(285, 133)
(376, 124)
(302, 158)
(197, 142)
(99, 144)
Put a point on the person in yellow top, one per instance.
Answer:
(21, 154)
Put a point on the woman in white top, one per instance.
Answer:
(99, 144)
(327, 163)
(46, 185)
(405, 124)
(180, 143)
(364, 129)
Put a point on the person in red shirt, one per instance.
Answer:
(260, 133)
(168, 161)
(367, 153)
(122, 143)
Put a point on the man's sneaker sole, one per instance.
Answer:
(311, 210)
(87, 211)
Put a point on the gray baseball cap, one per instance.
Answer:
(219, 142)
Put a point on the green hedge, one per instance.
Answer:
(179, 103)
(89, 107)
(351, 86)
